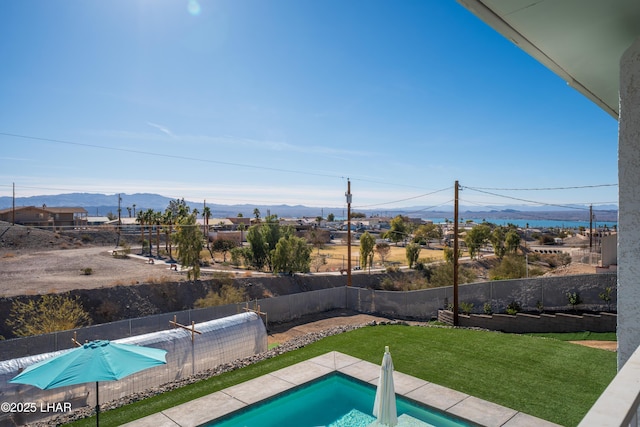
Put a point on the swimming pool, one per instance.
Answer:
(334, 400)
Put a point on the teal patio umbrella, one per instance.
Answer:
(94, 361)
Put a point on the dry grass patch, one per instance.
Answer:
(336, 256)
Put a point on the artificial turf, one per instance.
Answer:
(547, 378)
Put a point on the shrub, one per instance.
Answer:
(49, 313)
(574, 299)
(442, 275)
(535, 272)
(606, 296)
(87, 271)
(513, 307)
(388, 284)
(466, 307)
(564, 259)
(487, 308)
(228, 294)
(510, 267)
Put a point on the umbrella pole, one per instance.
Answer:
(97, 405)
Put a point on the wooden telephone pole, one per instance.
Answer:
(455, 257)
(348, 195)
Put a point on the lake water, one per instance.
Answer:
(534, 223)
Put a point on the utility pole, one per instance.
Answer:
(13, 210)
(348, 195)
(590, 229)
(119, 210)
(455, 257)
(119, 219)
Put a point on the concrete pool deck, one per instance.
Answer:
(223, 402)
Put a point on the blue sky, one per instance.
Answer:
(280, 101)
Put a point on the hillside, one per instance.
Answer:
(101, 204)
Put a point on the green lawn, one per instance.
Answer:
(579, 336)
(547, 378)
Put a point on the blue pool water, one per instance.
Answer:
(335, 400)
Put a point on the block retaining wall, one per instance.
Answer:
(526, 323)
(412, 305)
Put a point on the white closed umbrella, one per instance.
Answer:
(384, 406)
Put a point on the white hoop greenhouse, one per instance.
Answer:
(219, 341)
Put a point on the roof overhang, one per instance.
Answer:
(580, 40)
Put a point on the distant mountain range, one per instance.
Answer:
(102, 204)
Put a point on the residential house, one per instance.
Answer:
(45, 216)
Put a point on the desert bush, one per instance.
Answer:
(388, 284)
(535, 272)
(534, 257)
(49, 313)
(510, 267)
(222, 278)
(442, 275)
(228, 294)
(564, 258)
(87, 271)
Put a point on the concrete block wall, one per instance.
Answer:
(527, 323)
(421, 305)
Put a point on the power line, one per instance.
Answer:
(431, 207)
(197, 159)
(526, 200)
(404, 200)
(544, 188)
(170, 156)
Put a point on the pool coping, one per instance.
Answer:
(223, 402)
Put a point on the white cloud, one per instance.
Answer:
(161, 128)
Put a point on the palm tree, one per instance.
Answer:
(148, 219)
(206, 214)
(157, 220)
(167, 219)
(140, 219)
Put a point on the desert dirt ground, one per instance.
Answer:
(283, 332)
(33, 272)
(46, 271)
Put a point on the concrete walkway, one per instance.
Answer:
(223, 402)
